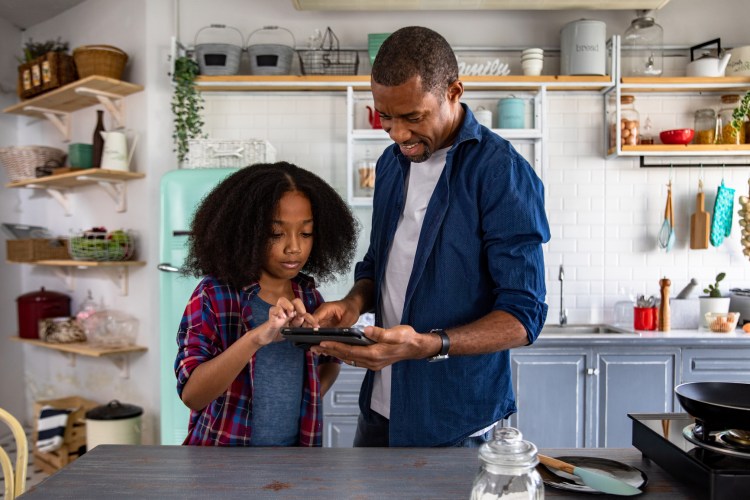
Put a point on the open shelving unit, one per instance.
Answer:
(117, 270)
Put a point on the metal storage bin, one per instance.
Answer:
(270, 58)
(218, 58)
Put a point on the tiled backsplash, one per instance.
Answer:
(604, 214)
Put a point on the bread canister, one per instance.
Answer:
(113, 423)
(511, 113)
(583, 48)
(36, 306)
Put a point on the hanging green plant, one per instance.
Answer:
(187, 105)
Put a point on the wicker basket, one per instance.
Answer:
(48, 72)
(74, 438)
(21, 161)
(212, 153)
(102, 60)
(32, 250)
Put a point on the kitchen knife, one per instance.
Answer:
(591, 478)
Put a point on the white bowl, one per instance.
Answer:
(532, 51)
(532, 68)
(531, 57)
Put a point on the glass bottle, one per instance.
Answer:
(366, 172)
(705, 126)
(643, 47)
(508, 468)
(88, 307)
(728, 134)
(630, 123)
(98, 140)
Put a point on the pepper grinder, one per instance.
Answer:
(664, 323)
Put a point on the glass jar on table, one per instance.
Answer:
(705, 126)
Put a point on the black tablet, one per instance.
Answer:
(305, 337)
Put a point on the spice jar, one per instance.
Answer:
(728, 134)
(629, 123)
(508, 468)
(705, 126)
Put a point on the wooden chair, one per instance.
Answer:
(15, 482)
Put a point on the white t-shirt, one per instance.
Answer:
(423, 178)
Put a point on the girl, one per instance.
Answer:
(251, 238)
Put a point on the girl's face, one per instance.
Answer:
(291, 237)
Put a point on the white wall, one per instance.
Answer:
(604, 231)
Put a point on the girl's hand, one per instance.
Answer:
(284, 313)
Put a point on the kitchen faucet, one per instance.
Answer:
(563, 312)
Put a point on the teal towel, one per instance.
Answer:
(721, 222)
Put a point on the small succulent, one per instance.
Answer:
(713, 290)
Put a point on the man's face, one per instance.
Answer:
(418, 121)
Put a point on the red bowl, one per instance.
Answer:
(677, 136)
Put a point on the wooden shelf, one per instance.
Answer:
(69, 98)
(683, 150)
(83, 348)
(362, 82)
(77, 178)
(64, 268)
(685, 84)
(86, 263)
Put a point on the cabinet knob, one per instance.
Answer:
(592, 371)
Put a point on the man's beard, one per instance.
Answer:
(423, 157)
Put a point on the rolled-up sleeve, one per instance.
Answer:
(515, 227)
(197, 340)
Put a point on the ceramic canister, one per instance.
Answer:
(113, 423)
(583, 48)
(511, 112)
(483, 116)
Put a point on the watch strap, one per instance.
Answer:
(446, 345)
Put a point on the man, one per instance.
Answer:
(455, 262)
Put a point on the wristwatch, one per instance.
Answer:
(443, 354)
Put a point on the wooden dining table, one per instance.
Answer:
(185, 472)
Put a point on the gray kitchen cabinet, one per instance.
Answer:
(715, 365)
(551, 387)
(580, 396)
(341, 408)
(629, 380)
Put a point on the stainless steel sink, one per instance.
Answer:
(582, 329)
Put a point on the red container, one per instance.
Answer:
(35, 306)
(645, 318)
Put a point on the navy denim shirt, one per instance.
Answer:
(480, 250)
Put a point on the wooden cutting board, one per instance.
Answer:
(700, 224)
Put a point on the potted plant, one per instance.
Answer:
(740, 115)
(714, 302)
(187, 104)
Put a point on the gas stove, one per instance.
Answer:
(716, 461)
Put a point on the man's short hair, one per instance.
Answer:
(416, 51)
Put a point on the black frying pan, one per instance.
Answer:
(720, 405)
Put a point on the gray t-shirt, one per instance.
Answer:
(277, 389)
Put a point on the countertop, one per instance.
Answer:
(182, 472)
(673, 337)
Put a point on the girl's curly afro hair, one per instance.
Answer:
(231, 229)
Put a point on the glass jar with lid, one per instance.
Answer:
(728, 133)
(705, 126)
(642, 46)
(630, 123)
(508, 468)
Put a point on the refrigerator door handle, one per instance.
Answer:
(167, 268)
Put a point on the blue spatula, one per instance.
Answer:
(591, 478)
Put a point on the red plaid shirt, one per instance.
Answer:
(215, 317)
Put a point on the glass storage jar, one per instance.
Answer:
(643, 47)
(728, 134)
(630, 123)
(508, 469)
(705, 126)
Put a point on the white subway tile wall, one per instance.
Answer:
(604, 214)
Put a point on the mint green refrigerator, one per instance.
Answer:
(181, 191)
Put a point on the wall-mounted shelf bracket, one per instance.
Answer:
(114, 188)
(121, 361)
(119, 276)
(59, 119)
(112, 102)
(66, 275)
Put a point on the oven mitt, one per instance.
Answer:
(721, 222)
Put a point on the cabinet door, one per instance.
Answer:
(550, 387)
(714, 365)
(630, 382)
(343, 397)
(338, 431)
